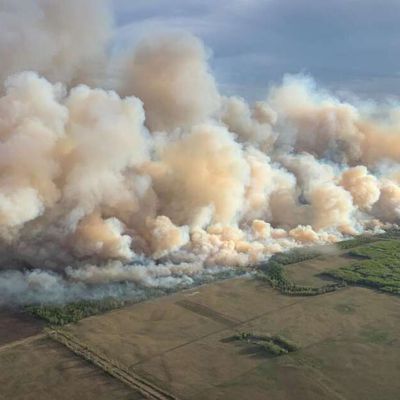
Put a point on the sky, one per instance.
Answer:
(346, 45)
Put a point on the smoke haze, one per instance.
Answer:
(164, 179)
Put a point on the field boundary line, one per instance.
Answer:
(19, 342)
(325, 382)
(208, 312)
(225, 328)
(146, 388)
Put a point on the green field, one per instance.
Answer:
(377, 266)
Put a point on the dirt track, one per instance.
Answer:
(22, 341)
(144, 387)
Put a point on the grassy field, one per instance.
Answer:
(42, 369)
(17, 325)
(181, 343)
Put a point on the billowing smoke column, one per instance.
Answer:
(164, 179)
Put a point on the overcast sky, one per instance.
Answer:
(349, 45)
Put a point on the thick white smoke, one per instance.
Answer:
(170, 74)
(163, 179)
(64, 40)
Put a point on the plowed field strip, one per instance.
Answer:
(146, 388)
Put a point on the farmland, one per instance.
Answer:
(181, 343)
(41, 368)
(236, 338)
(16, 325)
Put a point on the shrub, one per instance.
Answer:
(285, 343)
(273, 273)
(275, 345)
(273, 348)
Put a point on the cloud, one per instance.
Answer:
(340, 42)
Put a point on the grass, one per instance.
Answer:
(345, 308)
(336, 350)
(378, 266)
(111, 367)
(376, 336)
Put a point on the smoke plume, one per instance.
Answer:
(163, 179)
